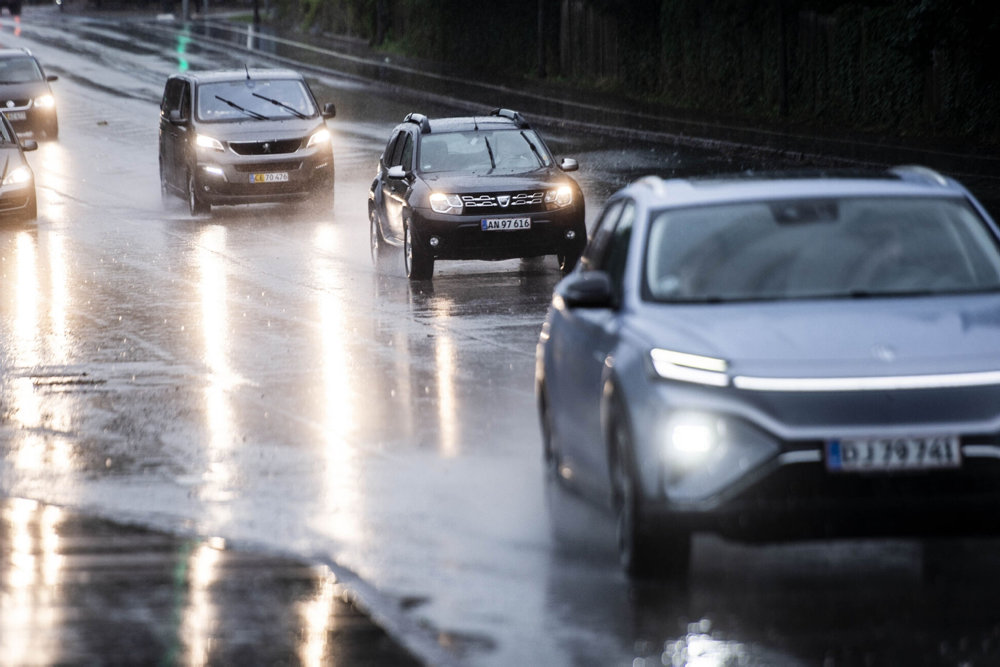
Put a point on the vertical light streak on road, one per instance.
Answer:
(221, 378)
(341, 485)
(318, 622)
(30, 603)
(58, 301)
(445, 363)
(200, 614)
(62, 180)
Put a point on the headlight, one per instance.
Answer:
(45, 101)
(560, 197)
(442, 203)
(210, 143)
(17, 176)
(320, 136)
(689, 367)
(692, 438)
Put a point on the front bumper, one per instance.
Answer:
(31, 118)
(462, 236)
(223, 178)
(16, 199)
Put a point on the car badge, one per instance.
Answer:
(266, 147)
(503, 200)
(10, 103)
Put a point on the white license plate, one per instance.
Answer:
(887, 454)
(273, 177)
(15, 115)
(505, 224)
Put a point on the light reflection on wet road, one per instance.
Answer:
(248, 375)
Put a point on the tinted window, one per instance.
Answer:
(820, 248)
(254, 98)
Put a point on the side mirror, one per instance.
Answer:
(329, 110)
(175, 117)
(51, 77)
(29, 145)
(569, 164)
(397, 172)
(586, 289)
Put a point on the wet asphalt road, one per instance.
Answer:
(247, 380)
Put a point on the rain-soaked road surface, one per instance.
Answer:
(247, 379)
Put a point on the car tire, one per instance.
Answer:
(644, 550)
(418, 264)
(196, 205)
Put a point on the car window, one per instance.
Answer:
(617, 250)
(389, 148)
(20, 70)
(254, 98)
(820, 249)
(406, 160)
(403, 150)
(171, 96)
(602, 233)
(508, 151)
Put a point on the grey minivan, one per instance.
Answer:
(244, 137)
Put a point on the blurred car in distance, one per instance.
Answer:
(779, 357)
(477, 187)
(17, 181)
(25, 94)
(244, 137)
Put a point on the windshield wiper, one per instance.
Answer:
(252, 114)
(534, 149)
(489, 148)
(281, 104)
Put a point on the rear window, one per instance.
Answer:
(819, 248)
(259, 99)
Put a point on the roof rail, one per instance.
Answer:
(915, 172)
(419, 119)
(512, 115)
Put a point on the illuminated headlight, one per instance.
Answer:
(442, 203)
(689, 367)
(560, 197)
(18, 176)
(210, 143)
(319, 137)
(45, 101)
(692, 438)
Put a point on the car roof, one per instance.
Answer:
(15, 53)
(904, 181)
(219, 75)
(465, 124)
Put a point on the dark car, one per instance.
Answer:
(12, 6)
(25, 95)
(480, 187)
(779, 357)
(244, 137)
(17, 181)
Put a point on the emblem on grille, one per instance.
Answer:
(10, 103)
(266, 147)
(503, 200)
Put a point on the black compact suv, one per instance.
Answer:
(243, 137)
(25, 95)
(479, 187)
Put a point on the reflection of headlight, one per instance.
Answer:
(320, 136)
(45, 101)
(691, 438)
(560, 197)
(442, 203)
(209, 142)
(17, 176)
(689, 367)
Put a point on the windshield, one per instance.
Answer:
(19, 70)
(829, 248)
(509, 151)
(254, 98)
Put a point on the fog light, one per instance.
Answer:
(434, 241)
(692, 438)
(570, 235)
(215, 171)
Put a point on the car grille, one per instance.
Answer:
(274, 147)
(262, 167)
(521, 202)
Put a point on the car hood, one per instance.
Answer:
(15, 91)
(835, 338)
(540, 179)
(261, 130)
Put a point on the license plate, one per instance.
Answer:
(272, 177)
(505, 224)
(888, 454)
(16, 115)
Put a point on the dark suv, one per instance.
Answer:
(482, 187)
(243, 137)
(25, 95)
